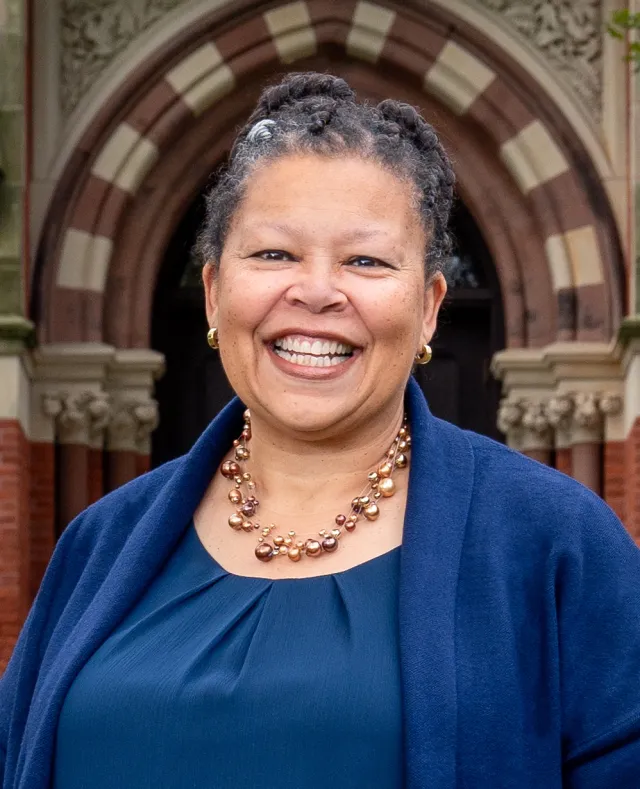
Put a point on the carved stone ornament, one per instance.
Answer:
(560, 411)
(568, 35)
(131, 424)
(535, 420)
(611, 404)
(510, 414)
(80, 417)
(93, 33)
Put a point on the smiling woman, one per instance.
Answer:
(332, 587)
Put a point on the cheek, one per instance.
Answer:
(395, 316)
(245, 299)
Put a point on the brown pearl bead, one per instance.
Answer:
(402, 446)
(248, 509)
(230, 469)
(403, 432)
(278, 540)
(242, 453)
(313, 548)
(247, 526)
(236, 521)
(329, 544)
(264, 552)
(341, 520)
(350, 525)
(387, 487)
(247, 416)
(235, 497)
(385, 470)
(371, 512)
(246, 434)
(355, 505)
(401, 461)
(295, 554)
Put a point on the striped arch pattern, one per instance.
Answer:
(581, 298)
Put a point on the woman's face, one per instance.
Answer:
(320, 300)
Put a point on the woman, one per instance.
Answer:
(397, 602)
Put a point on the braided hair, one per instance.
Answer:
(319, 114)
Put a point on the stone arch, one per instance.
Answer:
(523, 172)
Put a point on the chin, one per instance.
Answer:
(308, 415)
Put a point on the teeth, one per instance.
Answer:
(307, 360)
(318, 348)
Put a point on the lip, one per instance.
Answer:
(312, 373)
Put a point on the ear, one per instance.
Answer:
(434, 295)
(210, 280)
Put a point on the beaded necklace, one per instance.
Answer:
(380, 485)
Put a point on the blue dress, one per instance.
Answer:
(216, 680)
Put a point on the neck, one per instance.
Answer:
(294, 475)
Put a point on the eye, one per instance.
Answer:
(364, 261)
(272, 254)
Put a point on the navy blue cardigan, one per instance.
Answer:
(519, 615)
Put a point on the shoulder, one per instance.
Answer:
(533, 498)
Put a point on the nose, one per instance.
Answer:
(316, 287)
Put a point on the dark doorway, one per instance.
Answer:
(457, 383)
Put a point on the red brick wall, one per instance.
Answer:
(632, 481)
(42, 510)
(14, 535)
(614, 482)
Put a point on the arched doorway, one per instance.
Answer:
(458, 383)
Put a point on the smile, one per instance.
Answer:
(312, 352)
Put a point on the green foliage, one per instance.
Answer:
(623, 22)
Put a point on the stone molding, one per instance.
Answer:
(559, 420)
(566, 36)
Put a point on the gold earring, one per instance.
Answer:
(212, 339)
(424, 355)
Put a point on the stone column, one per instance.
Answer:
(80, 418)
(586, 440)
(560, 416)
(130, 380)
(128, 435)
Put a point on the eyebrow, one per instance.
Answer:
(362, 234)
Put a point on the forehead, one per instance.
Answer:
(345, 191)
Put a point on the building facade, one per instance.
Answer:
(113, 117)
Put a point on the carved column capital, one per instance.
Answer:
(510, 413)
(79, 416)
(525, 423)
(560, 410)
(537, 428)
(588, 420)
(132, 422)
